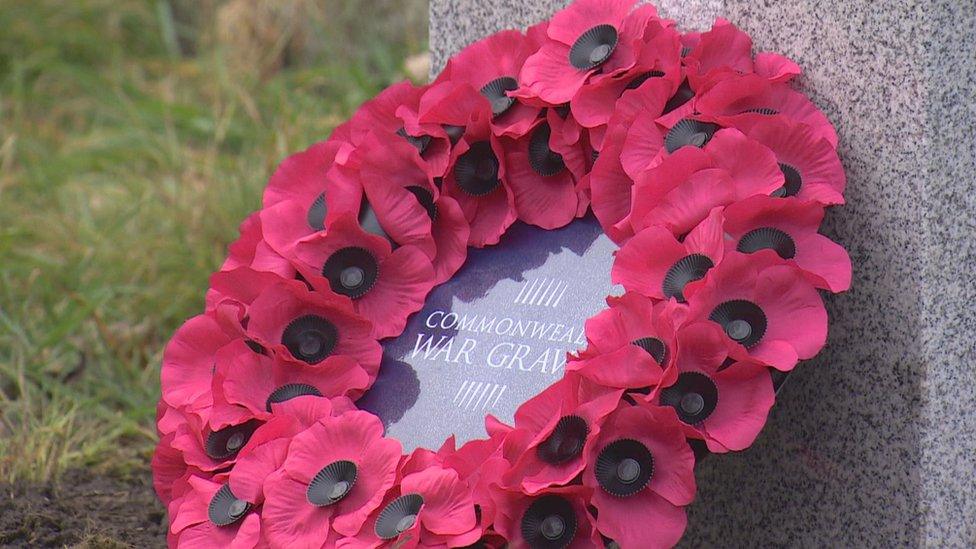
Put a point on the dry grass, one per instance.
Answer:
(131, 146)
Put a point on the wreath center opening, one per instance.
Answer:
(493, 336)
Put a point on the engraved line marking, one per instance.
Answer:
(484, 391)
(545, 293)
(552, 296)
(463, 385)
(536, 294)
(547, 297)
(521, 292)
(560, 298)
(477, 385)
(487, 400)
(497, 398)
(460, 403)
(529, 291)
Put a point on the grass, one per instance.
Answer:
(134, 138)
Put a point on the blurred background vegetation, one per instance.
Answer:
(135, 135)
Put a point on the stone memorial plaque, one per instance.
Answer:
(493, 336)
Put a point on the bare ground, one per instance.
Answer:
(82, 510)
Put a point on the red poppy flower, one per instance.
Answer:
(642, 475)
(210, 515)
(764, 305)
(788, 228)
(555, 517)
(431, 507)
(658, 58)
(629, 367)
(480, 463)
(479, 182)
(654, 263)
(233, 291)
(808, 162)
(168, 467)
(250, 473)
(334, 476)
(302, 176)
(718, 52)
(590, 40)
(610, 183)
(288, 222)
(544, 175)
(720, 394)
(737, 99)
(689, 183)
(394, 115)
(252, 250)
(227, 432)
(305, 326)
(634, 320)
(492, 66)
(255, 382)
(385, 285)
(188, 361)
(559, 425)
(410, 207)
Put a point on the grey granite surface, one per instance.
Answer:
(873, 443)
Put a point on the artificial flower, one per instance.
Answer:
(788, 227)
(720, 394)
(763, 304)
(642, 475)
(384, 285)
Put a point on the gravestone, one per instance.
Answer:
(493, 336)
(872, 443)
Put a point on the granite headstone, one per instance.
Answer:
(873, 443)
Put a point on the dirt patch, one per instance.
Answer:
(82, 510)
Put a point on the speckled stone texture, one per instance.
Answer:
(874, 442)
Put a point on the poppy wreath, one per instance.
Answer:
(698, 159)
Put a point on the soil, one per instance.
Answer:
(82, 509)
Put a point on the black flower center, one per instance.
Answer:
(793, 182)
(767, 238)
(225, 443)
(593, 47)
(426, 199)
(565, 442)
(683, 94)
(495, 92)
(743, 321)
(476, 171)
(654, 347)
(641, 78)
(694, 397)
(543, 160)
(549, 523)
(453, 132)
(687, 269)
(316, 213)
(351, 271)
(290, 391)
(398, 516)
(225, 508)
(689, 132)
(419, 142)
(310, 338)
(624, 467)
(369, 222)
(332, 483)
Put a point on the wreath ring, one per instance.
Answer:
(698, 159)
